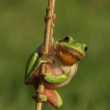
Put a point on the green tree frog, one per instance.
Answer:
(61, 66)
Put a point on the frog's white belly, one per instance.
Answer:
(58, 68)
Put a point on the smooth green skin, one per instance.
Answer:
(35, 61)
(80, 47)
(57, 79)
(33, 64)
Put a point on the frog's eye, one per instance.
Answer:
(67, 39)
(85, 48)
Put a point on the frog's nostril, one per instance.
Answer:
(85, 48)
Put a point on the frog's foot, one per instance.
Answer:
(53, 97)
(40, 97)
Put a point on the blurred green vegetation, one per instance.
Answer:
(21, 31)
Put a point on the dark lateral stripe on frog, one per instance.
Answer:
(71, 50)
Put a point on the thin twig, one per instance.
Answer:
(49, 25)
(40, 89)
(47, 41)
(52, 21)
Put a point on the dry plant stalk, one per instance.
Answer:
(49, 19)
(47, 42)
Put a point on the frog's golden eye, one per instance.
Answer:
(67, 39)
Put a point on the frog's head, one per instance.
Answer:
(69, 51)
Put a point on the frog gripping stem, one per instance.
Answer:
(53, 64)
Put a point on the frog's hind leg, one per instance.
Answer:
(53, 97)
(50, 95)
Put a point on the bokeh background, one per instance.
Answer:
(21, 31)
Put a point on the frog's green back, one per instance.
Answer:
(30, 65)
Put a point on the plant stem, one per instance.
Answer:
(39, 104)
(46, 45)
(49, 25)
(52, 21)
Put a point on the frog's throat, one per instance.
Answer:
(66, 58)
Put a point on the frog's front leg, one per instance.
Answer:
(57, 79)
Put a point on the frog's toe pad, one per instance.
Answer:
(40, 97)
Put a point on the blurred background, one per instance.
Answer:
(21, 31)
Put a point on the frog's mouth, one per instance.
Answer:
(68, 55)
